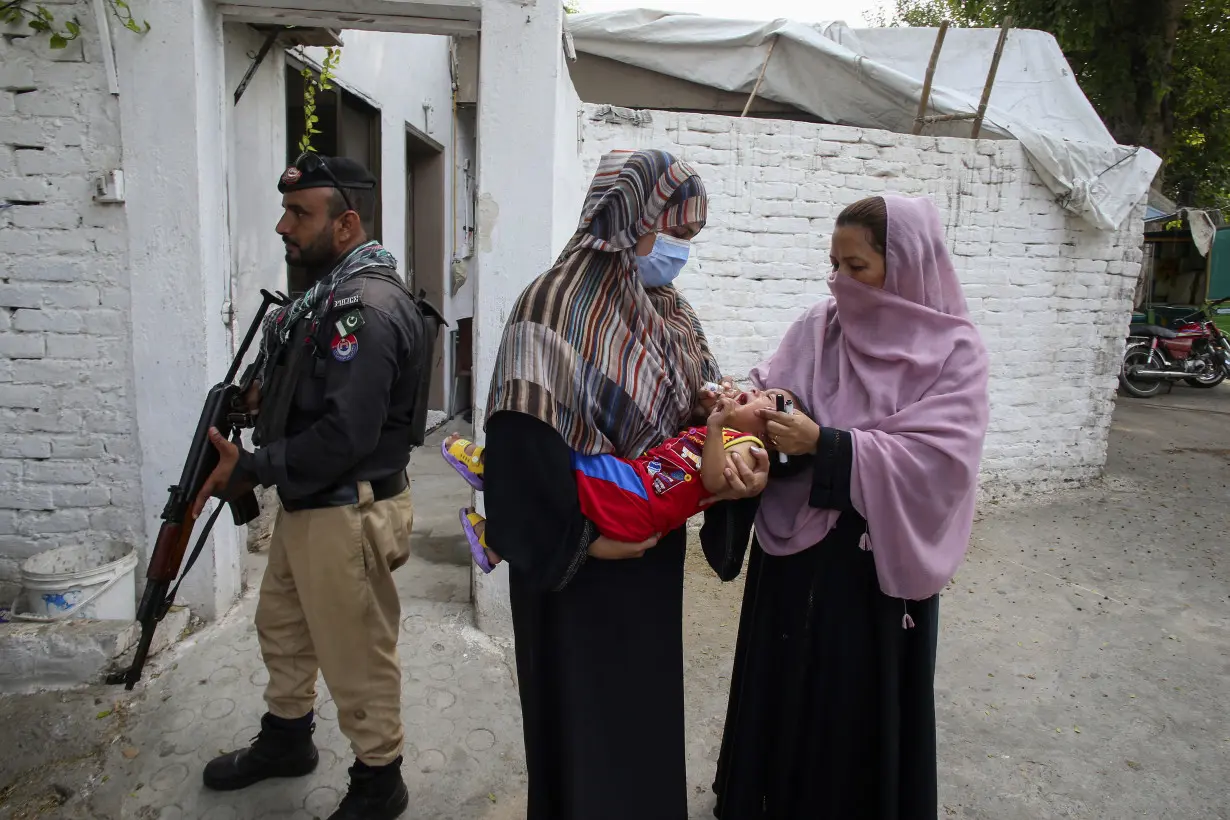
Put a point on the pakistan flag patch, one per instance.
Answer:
(349, 324)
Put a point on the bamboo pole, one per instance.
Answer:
(926, 92)
(986, 90)
(759, 79)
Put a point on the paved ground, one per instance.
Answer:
(1082, 669)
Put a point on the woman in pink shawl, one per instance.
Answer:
(832, 706)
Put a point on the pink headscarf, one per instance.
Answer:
(906, 374)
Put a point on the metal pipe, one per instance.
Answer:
(1167, 374)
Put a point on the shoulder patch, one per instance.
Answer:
(345, 348)
(348, 301)
(350, 323)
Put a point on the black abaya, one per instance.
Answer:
(832, 709)
(599, 644)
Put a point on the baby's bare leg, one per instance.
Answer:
(469, 448)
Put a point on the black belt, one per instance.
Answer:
(344, 495)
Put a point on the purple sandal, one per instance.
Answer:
(477, 551)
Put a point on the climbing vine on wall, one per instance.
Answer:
(37, 17)
(311, 84)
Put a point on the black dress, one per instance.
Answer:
(599, 644)
(832, 705)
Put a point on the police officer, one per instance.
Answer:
(338, 380)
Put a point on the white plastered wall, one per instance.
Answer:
(1050, 294)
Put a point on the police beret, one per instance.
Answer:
(317, 171)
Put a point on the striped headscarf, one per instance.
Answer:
(613, 366)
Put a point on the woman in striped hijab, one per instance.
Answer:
(600, 355)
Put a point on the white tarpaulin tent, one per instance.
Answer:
(873, 78)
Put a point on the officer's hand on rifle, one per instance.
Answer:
(220, 478)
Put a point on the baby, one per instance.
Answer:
(632, 500)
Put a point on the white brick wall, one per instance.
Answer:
(68, 454)
(1050, 294)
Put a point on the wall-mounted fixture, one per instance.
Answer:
(109, 186)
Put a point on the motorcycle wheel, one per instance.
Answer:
(1141, 358)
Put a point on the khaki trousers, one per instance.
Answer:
(327, 603)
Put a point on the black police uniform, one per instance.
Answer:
(341, 406)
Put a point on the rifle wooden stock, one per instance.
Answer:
(224, 410)
(169, 552)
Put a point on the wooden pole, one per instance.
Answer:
(926, 92)
(986, 90)
(759, 79)
(934, 118)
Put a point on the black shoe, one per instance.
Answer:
(376, 793)
(283, 748)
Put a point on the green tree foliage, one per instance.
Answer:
(1157, 72)
(39, 18)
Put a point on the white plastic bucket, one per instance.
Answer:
(79, 582)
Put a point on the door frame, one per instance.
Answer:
(428, 238)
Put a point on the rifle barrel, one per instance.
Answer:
(267, 299)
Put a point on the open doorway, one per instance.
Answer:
(427, 249)
(349, 127)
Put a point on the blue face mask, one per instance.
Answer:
(662, 264)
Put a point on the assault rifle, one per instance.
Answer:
(224, 409)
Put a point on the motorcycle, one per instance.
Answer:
(1196, 351)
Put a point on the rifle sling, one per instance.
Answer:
(196, 552)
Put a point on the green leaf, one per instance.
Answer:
(73, 28)
(58, 41)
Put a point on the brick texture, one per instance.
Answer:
(68, 463)
(1050, 294)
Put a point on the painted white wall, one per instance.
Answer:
(69, 455)
(257, 139)
(519, 75)
(1050, 294)
(569, 176)
(175, 171)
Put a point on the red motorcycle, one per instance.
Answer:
(1196, 351)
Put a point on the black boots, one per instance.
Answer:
(376, 793)
(283, 748)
